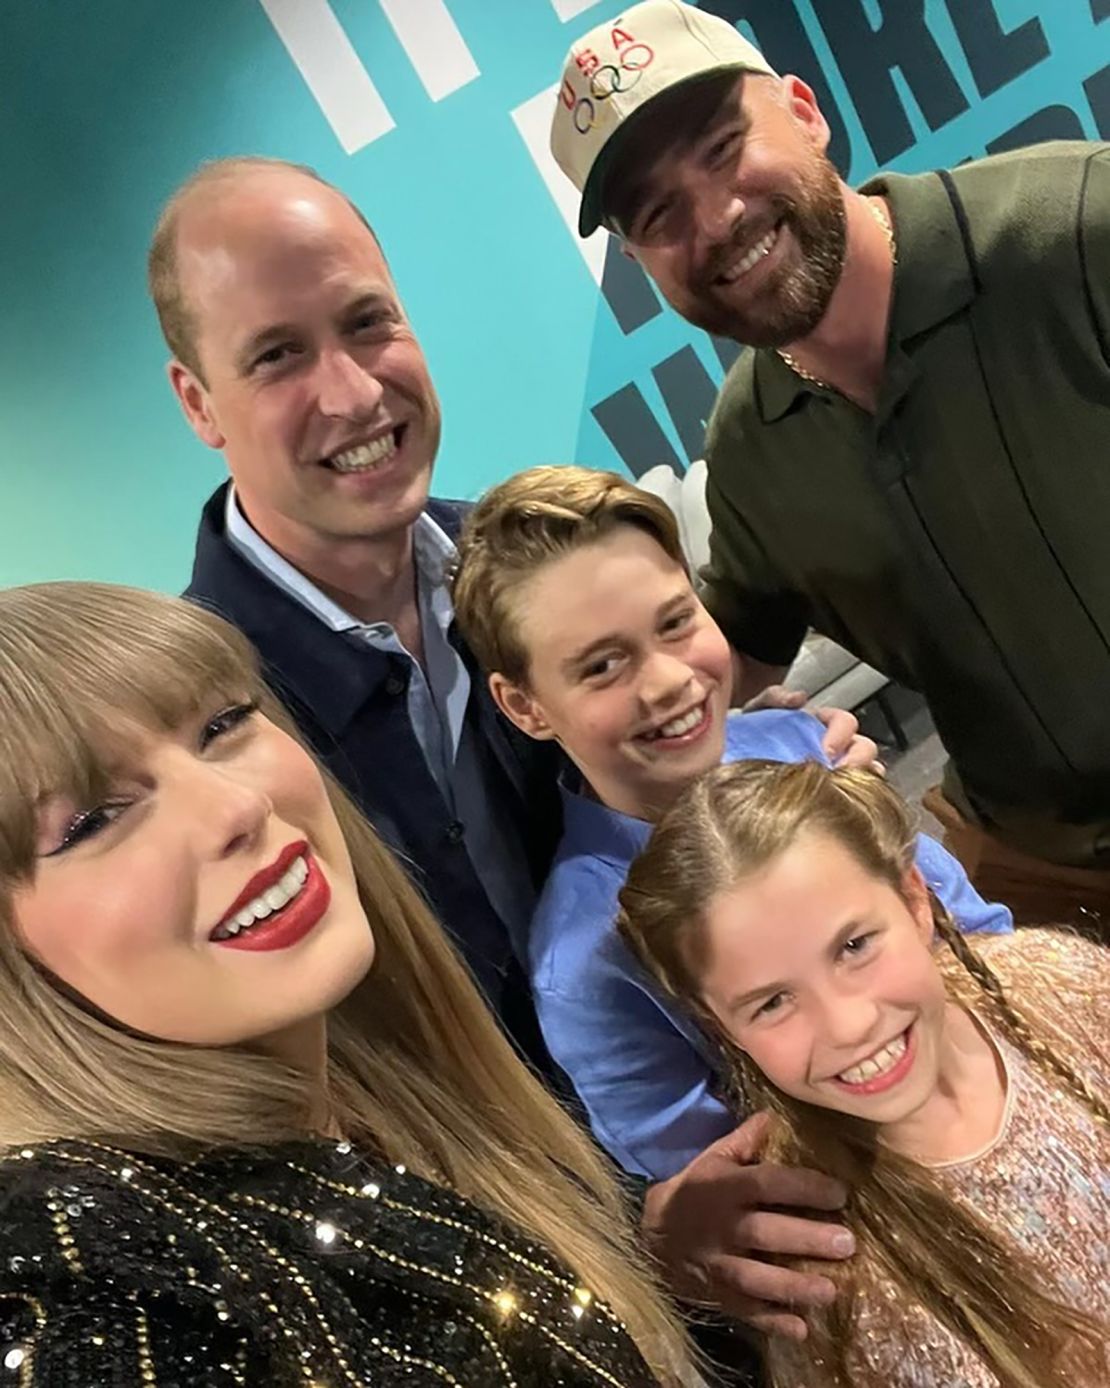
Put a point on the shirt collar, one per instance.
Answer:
(592, 829)
(933, 280)
(433, 552)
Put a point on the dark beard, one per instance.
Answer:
(791, 305)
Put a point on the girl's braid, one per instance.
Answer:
(1022, 1033)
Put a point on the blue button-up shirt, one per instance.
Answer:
(438, 693)
(642, 1069)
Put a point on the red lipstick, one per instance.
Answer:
(289, 923)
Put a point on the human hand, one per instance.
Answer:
(775, 696)
(713, 1225)
(844, 744)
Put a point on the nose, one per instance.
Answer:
(228, 811)
(345, 390)
(663, 680)
(848, 1020)
(716, 208)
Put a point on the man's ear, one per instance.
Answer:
(520, 708)
(915, 893)
(802, 103)
(195, 404)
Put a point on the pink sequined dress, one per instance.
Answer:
(1044, 1182)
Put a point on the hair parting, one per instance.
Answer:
(731, 823)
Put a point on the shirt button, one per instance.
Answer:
(394, 685)
(455, 831)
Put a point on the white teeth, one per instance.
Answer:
(677, 726)
(877, 1064)
(753, 257)
(366, 456)
(272, 899)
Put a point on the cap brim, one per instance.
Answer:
(590, 211)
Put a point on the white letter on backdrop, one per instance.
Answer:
(435, 47)
(333, 71)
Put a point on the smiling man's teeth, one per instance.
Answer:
(753, 257)
(272, 899)
(366, 456)
(877, 1064)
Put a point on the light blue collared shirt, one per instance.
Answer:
(438, 693)
(642, 1069)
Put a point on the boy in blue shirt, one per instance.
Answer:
(573, 592)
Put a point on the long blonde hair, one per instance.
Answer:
(728, 825)
(418, 1070)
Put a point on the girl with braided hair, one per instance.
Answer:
(958, 1088)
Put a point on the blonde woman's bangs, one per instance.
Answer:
(81, 666)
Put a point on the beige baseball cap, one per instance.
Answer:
(615, 71)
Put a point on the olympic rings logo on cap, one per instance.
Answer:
(605, 81)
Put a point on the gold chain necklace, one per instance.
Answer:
(883, 220)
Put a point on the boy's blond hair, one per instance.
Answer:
(527, 521)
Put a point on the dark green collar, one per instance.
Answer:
(932, 281)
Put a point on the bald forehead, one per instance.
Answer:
(256, 205)
(262, 252)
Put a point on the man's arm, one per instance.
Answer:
(717, 1222)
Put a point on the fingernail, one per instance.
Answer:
(844, 1244)
(827, 1292)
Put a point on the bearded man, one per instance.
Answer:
(913, 458)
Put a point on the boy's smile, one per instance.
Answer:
(626, 670)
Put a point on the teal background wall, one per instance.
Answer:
(105, 107)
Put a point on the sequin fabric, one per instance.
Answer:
(305, 1265)
(1044, 1182)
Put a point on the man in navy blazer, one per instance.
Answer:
(292, 355)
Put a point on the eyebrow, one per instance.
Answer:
(279, 332)
(614, 638)
(640, 191)
(261, 340)
(845, 933)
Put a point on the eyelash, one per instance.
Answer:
(88, 823)
(765, 1008)
(227, 720)
(362, 323)
(723, 145)
(864, 938)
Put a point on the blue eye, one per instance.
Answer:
(226, 721)
(858, 945)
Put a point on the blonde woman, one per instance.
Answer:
(958, 1088)
(257, 1126)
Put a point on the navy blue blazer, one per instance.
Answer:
(350, 704)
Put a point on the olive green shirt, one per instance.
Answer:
(959, 538)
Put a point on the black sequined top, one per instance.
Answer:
(305, 1265)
